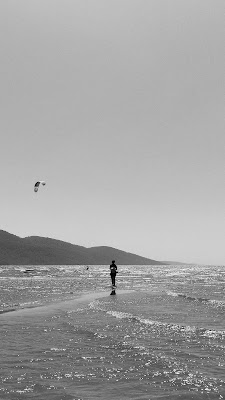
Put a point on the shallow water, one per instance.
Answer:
(161, 337)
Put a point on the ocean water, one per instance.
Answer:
(63, 337)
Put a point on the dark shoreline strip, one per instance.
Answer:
(7, 310)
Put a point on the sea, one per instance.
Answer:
(64, 337)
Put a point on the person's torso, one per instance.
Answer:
(113, 268)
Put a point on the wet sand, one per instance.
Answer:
(66, 305)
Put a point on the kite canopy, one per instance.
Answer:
(37, 184)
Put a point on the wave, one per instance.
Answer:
(170, 327)
(215, 303)
(163, 326)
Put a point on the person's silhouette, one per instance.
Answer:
(113, 272)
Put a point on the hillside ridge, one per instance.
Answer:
(38, 250)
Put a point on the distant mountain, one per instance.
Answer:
(173, 263)
(36, 250)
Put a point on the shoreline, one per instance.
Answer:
(59, 306)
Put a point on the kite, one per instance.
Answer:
(37, 184)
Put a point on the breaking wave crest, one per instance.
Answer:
(181, 329)
(212, 302)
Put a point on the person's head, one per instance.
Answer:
(113, 261)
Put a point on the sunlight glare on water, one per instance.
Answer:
(161, 337)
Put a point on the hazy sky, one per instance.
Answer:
(119, 106)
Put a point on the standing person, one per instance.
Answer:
(113, 272)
